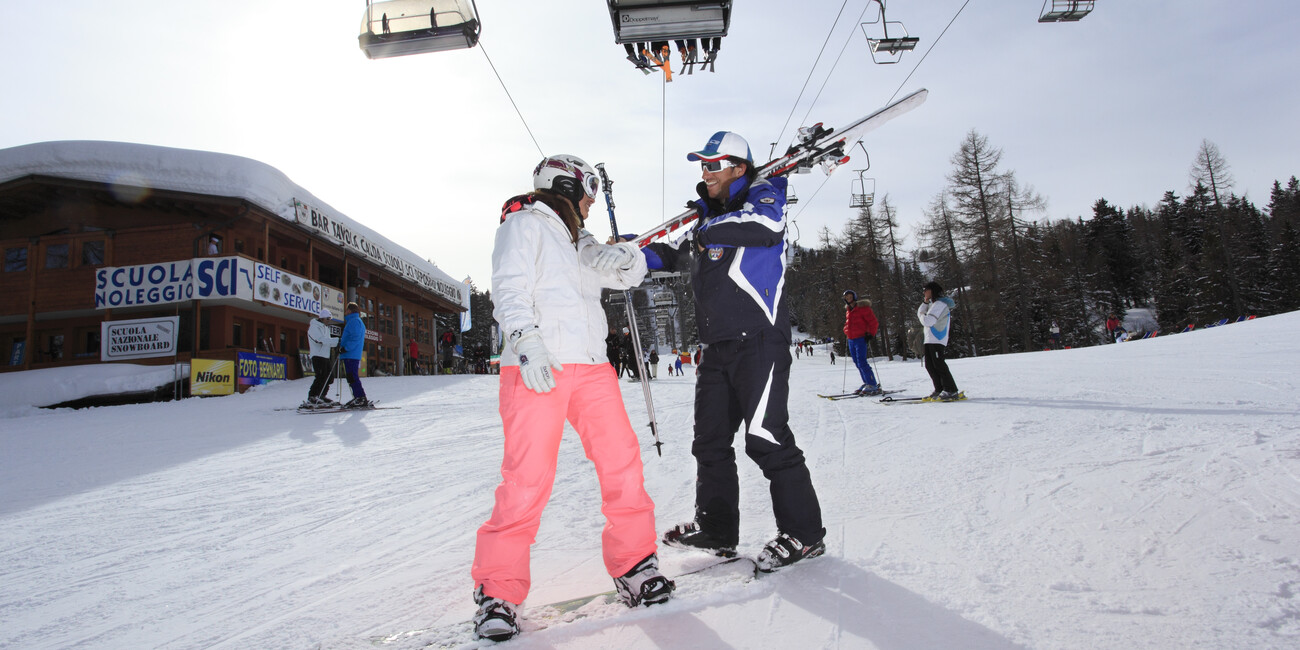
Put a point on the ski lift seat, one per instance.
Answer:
(392, 28)
(894, 45)
(1063, 11)
(639, 21)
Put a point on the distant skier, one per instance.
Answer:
(1054, 333)
(744, 377)
(547, 274)
(321, 344)
(1113, 328)
(935, 314)
(351, 343)
(860, 327)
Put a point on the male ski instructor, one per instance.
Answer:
(736, 254)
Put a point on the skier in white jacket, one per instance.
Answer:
(935, 314)
(321, 343)
(547, 276)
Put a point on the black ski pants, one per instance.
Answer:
(938, 368)
(746, 383)
(324, 369)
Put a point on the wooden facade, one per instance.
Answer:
(56, 233)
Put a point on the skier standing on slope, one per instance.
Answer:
(351, 343)
(320, 344)
(860, 327)
(744, 375)
(547, 275)
(935, 314)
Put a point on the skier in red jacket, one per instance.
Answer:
(860, 327)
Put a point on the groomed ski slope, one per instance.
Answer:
(1141, 495)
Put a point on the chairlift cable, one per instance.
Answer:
(512, 99)
(891, 97)
(833, 66)
(814, 67)
(927, 51)
(663, 146)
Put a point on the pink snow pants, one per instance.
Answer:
(588, 397)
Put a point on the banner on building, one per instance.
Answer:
(340, 229)
(141, 338)
(201, 278)
(297, 293)
(256, 369)
(212, 377)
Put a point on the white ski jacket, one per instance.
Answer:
(319, 340)
(936, 316)
(538, 279)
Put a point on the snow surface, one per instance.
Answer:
(1140, 495)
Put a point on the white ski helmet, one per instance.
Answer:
(568, 176)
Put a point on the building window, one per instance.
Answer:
(56, 256)
(16, 259)
(92, 253)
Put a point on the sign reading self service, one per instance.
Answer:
(140, 338)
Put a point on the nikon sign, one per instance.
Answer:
(141, 338)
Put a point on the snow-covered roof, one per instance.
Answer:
(130, 165)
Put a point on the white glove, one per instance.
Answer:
(535, 362)
(605, 257)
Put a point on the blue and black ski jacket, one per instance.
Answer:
(736, 255)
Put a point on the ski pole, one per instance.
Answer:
(844, 383)
(608, 187)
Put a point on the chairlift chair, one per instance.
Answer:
(886, 44)
(1064, 11)
(392, 28)
(640, 21)
(864, 192)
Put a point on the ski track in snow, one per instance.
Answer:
(1145, 494)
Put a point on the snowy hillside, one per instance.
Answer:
(1141, 495)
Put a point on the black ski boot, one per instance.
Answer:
(784, 551)
(689, 536)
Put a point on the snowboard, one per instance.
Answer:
(696, 581)
(824, 146)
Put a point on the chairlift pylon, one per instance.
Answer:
(392, 28)
(1064, 11)
(886, 44)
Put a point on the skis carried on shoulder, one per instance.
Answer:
(820, 146)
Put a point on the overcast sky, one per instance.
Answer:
(425, 149)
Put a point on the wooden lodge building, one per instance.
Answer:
(236, 253)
